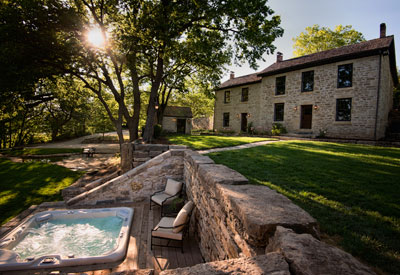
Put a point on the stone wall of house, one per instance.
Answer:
(236, 107)
(134, 154)
(323, 99)
(170, 124)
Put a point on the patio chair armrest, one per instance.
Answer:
(168, 198)
(156, 193)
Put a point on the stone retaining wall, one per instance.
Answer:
(138, 183)
(233, 218)
(243, 228)
(134, 154)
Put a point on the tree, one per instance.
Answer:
(152, 46)
(318, 39)
(201, 103)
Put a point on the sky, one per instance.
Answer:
(364, 15)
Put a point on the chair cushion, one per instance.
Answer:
(166, 233)
(173, 187)
(160, 197)
(182, 216)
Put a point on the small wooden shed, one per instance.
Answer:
(177, 120)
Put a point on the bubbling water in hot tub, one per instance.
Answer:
(76, 237)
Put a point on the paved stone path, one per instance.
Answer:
(243, 146)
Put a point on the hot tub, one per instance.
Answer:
(65, 238)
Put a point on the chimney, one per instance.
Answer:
(279, 57)
(232, 75)
(383, 30)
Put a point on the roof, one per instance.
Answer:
(176, 111)
(362, 49)
(241, 80)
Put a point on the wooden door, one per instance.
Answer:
(181, 126)
(306, 117)
(243, 126)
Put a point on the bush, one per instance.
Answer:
(278, 129)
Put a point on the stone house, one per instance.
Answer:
(177, 120)
(346, 92)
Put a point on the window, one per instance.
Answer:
(280, 85)
(279, 111)
(345, 75)
(227, 97)
(245, 94)
(225, 122)
(307, 81)
(343, 109)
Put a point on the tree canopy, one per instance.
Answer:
(317, 39)
(151, 46)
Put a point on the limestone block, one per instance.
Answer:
(154, 153)
(271, 263)
(212, 174)
(177, 152)
(194, 159)
(308, 256)
(257, 211)
(141, 154)
(141, 159)
(177, 147)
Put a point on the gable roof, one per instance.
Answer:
(176, 111)
(239, 81)
(362, 49)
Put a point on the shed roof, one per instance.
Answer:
(176, 111)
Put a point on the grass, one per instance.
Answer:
(352, 190)
(25, 184)
(40, 151)
(207, 142)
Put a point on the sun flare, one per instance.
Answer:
(96, 38)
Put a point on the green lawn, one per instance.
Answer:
(207, 142)
(352, 190)
(25, 184)
(40, 151)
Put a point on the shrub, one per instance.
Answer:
(278, 129)
(322, 133)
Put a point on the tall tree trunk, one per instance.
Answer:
(151, 110)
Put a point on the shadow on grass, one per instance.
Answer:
(208, 142)
(352, 190)
(25, 184)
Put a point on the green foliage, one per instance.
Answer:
(278, 129)
(26, 184)
(322, 133)
(206, 142)
(152, 46)
(318, 39)
(250, 128)
(351, 190)
(196, 97)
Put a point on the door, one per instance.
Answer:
(243, 126)
(306, 117)
(181, 126)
